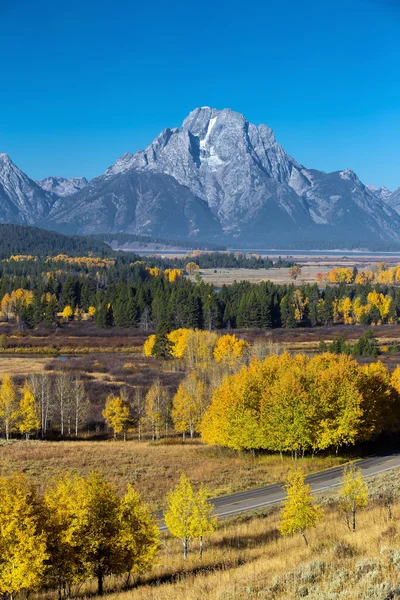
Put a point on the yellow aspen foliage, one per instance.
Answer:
(138, 538)
(8, 406)
(179, 339)
(22, 540)
(192, 268)
(295, 404)
(149, 345)
(154, 271)
(360, 310)
(363, 277)
(338, 401)
(189, 515)
(379, 400)
(345, 307)
(28, 419)
(156, 407)
(353, 495)
(340, 275)
(294, 272)
(395, 379)
(60, 502)
(381, 302)
(199, 350)
(299, 305)
(91, 311)
(204, 519)
(230, 350)
(189, 404)
(116, 414)
(173, 274)
(67, 313)
(300, 512)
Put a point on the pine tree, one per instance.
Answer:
(299, 512)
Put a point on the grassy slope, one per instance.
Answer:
(153, 468)
(248, 560)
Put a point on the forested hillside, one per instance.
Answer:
(19, 239)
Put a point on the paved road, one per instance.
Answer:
(226, 506)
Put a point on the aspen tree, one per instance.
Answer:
(116, 414)
(179, 514)
(189, 515)
(300, 512)
(189, 404)
(8, 405)
(23, 552)
(353, 495)
(28, 420)
(204, 519)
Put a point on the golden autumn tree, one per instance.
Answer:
(8, 405)
(23, 551)
(138, 537)
(353, 495)
(149, 345)
(300, 512)
(204, 518)
(189, 404)
(230, 350)
(189, 515)
(116, 414)
(157, 408)
(192, 268)
(294, 272)
(179, 339)
(67, 313)
(28, 419)
(95, 532)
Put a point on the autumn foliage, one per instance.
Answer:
(298, 404)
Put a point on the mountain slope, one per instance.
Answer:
(21, 199)
(135, 202)
(62, 186)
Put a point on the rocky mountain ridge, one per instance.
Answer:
(215, 177)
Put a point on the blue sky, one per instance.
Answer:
(82, 82)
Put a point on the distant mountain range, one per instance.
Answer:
(217, 178)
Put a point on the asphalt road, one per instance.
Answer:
(226, 506)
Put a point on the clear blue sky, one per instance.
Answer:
(83, 81)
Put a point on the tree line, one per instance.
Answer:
(138, 295)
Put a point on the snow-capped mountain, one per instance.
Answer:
(219, 176)
(21, 199)
(254, 187)
(62, 186)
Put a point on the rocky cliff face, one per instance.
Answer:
(217, 176)
(62, 186)
(21, 199)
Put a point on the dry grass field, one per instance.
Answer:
(153, 468)
(247, 559)
(220, 277)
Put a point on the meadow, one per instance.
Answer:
(153, 468)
